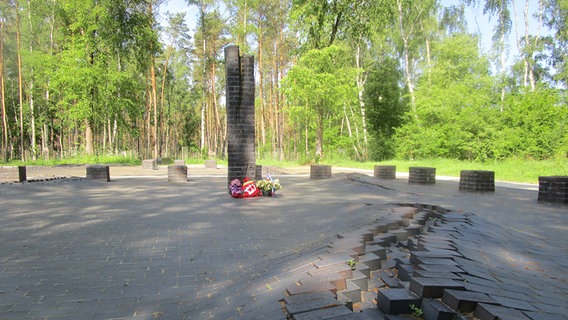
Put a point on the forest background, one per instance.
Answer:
(336, 79)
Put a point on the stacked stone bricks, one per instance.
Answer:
(240, 114)
(553, 189)
(477, 180)
(422, 175)
(385, 172)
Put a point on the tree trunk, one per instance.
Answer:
(2, 96)
(89, 148)
(361, 79)
(31, 94)
(406, 49)
(20, 84)
(319, 134)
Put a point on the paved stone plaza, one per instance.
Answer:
(140, 247)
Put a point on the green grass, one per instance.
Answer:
(108, 159)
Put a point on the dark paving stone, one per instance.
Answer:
(544, 316)
(330, 260)
(326, 313)
(433, 287)
(514, 303)
(435, 310)
(354, 316)
(310, 287)
(360, 279)
(445, 254)
(405, 271)
(439, 268)
(448, 262)
(465, 301)
(309, 305)
(397, 301)
(492, 312)
(389, 279)
(435, 274)
(378, 250)
(298, 298)
(480, 281)
(371, 260)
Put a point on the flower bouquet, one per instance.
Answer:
(268, 186)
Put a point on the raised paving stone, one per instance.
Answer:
(309, 305)
(435, 274)
(322, 314)
(439, 268)
(465, 301)
(396, 301)
(435, 310)
(492, 312)
(433, 287)
(298, 298)
(371, 260)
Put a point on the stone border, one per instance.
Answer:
(320, 171)
(177, 173)
(12, 174)
(98, 172)
(384, 172)
(477, 180)
(421, 175)
(553, 189)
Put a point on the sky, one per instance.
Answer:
(478, 23)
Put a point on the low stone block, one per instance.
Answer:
(360, 279)
(553, 189)
(98, 172)
(210, 164)
(397, 301)
(378, 250)
(179, 162)
(433, 287)
(435, 310)
(371, 260)
(319, 171)
(385, 172)
(12, 174)
(492, 312)
(352, 292)
(405, 271)
(389, 279)
(477, 181)
(465, 301)
(177, 173)
(151, 164)
(422, 175)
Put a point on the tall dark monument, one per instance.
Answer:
(240, 114)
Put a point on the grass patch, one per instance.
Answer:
(79, 160)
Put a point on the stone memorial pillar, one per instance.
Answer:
(240, 114)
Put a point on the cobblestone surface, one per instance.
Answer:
(139, 247)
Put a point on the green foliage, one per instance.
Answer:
(385, 109)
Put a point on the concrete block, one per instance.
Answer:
(385, 172)
(12, 174)
(177, 173)
(492, 312)
(98, 172)
(319, 171)
(397, 301)
(371, 260)
(465, 301)
(435, 310)
(433, 287)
